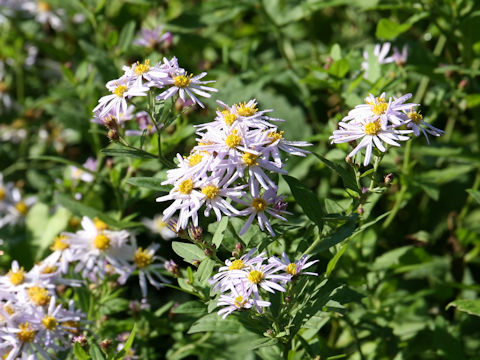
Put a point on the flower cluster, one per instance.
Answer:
(13, 207)
(96, 251)
(242, 280)
(232, 165)
(380, 121)
(139, 78)
(32, 322)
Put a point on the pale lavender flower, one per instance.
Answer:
(293, 268)
(239, 299)
(417, 124)
(150, 38)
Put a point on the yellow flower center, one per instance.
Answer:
(250, 159)
(71, 324)
(379, 107)
(119, 90)
(43, 6)
(244, 110)
(233, 140)
(236, 265)
(228, 117)
(292, 269)
(274, 136)
(39, 296)
(2, 193)
(142, 258)
(415, 117)
(74, 222)
(259, 204)
(194, 159)
(182, 81)
(3, 87)
(255, 276)
(59, 243)
(18, 277)
(239, 301)
(160, 224)
(101, 242)
(141, 69)
(49, 269)
(9, 309)
(186, 187)
(373, 128)
(100, 225)
(49, 322)
(26, 334)
(22, 208)
(210, 191)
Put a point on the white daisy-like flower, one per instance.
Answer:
(183, 84)
(138, 72)
(150, 38)
(80, 174)
(371, 132)
(44, 13)
(294, 268)
(160, 227)
(417, 124)
(121, 89)
(239, 299)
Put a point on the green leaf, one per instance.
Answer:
(96, 353)
(388, 30)
(219, 232)
(474, 194)
(473, 100)
(204, 271)
(213, 322)
(342, 233)
(190, 307)
(344, 171)
(149, 183)
(471, 307)
(333, 261)
(132, 153)
(339, 68)
(189, 252)
(128, 344)
(79, 353)
(126, 36)
(306, 199)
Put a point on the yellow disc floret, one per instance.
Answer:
(100, 225)
(186, 187)
(236, 265)
(142, 258)
(210, 191)
(22, 208)
(228, 117)
(373, 128)
(379, 107)
(250, 159)
(240, 302)
(39, 296)
(17, 277)
(255, 276)
(233, 140)
(101, 242)
(291, 269)
(275, 135)
(259, 204)
(26, 333)
(141, 69)
(59, 244)
(43, 6)
(49, 322)
(119, 90)
(415, 117)
(244, 110)
(182, 81)
(2, 193)
(194, 159)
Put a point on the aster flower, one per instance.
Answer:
(183, 84)
(150, 38)
(294, 268)
(145, 124)
(371, 132)
(121, 89)
(138, 72)
(44, 13)
(417, 124)
(110, 120)
(80, 174)
(239, 299)
(160, 227)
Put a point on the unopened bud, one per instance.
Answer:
(172, 267)
(239, 247)
(113, 135)
(360, 210)
(195, 233)
(196, 263)
(388, 179)
(208, 252)
(463, 84)
(110, 122)
(80, 339)
(105, 344)
(288, 298)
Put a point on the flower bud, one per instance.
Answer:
(360, 210)
(110, 122)
(195, 233)
(388, 179)
(105, 344)
(196, 263)
(80, 339)
(208, 252)
(113, 135)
